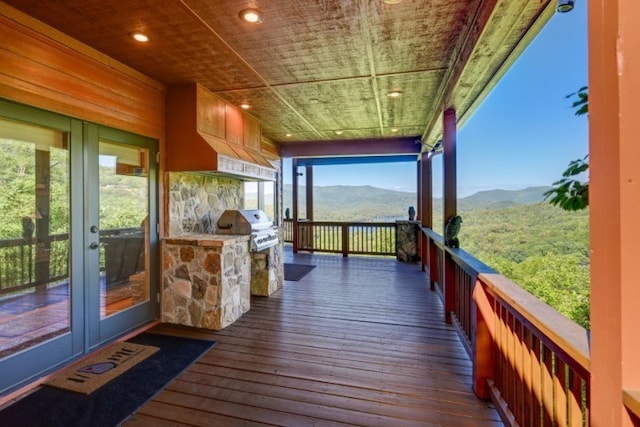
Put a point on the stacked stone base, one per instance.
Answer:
(206, 280)
(407, 241)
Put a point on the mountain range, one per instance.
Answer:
(367, 203)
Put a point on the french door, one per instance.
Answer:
(77, 238)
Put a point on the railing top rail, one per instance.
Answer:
(568, 336)
(433, 235)
(631, 399)
(337, 223)
(467, 261)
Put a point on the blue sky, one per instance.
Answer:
(524, 133)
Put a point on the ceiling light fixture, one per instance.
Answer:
(338, 132)
(394, 94)
(288, 135)
(565, 6)
(391, 1)
(252, 16)
(139, 37)
(245, 105)
(394, 129)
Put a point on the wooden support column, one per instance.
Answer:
(614, 204)
(426, 207)
(309, 191)
(449, 166)
(309, 199)
(419, 189)
(450, 203)
(43, 240)
(294, 202)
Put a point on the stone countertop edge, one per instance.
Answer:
(214, 240)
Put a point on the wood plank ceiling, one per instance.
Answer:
(316, 67)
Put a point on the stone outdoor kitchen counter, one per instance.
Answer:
(215, 240)
(206, 279)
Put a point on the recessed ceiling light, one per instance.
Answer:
(245, 105)
(391, 1)
(288, 135)
(252, 16)
(314, 101)
(394, 94)
(139, 37)
(394, 129)
(338, 132)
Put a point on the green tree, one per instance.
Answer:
(570, 193)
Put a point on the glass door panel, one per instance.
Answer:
(34, 235)
(124, 226)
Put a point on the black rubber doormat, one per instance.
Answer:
(295, 272)
(115, 401)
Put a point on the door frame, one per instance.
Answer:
(99, 330)
(25, 366)
(85, 332)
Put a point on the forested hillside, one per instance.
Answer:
(540, 247)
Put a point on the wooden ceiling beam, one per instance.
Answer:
(361, 147)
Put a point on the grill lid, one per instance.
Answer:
(243, 221)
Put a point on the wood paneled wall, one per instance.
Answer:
(42, 67)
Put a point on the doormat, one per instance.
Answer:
(295, 272)
(112, 403)
(99, 369)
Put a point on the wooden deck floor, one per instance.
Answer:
(357, 341)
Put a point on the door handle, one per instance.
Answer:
(94, 245)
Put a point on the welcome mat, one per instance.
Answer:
(97, 370)
(115, 401)
(295, 272)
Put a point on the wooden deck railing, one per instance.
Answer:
(361, 238)
(18, 260)
(631, 399)
(529, 359)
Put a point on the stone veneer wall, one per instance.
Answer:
(206, 286)
(197, 201)
(407, 240)
(267, 269)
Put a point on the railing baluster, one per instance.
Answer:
(574, 404)
(547, 385)
(560, 392)
(527, 377)
(537, 375)
(518, 361)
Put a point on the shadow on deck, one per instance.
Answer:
(357, 341)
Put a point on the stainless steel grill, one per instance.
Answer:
(253, 222)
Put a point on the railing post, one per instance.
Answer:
(345, 239)
(294, 191)
(482, 344)
(433, 264)
(449, 286)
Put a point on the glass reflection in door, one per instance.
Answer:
(34, 235)
(124, 227)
